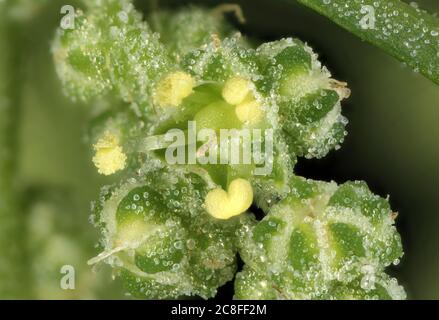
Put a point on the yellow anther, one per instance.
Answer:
(235, 90)
(224, 205)
(109, 156)
(172, 89)
(249, 112)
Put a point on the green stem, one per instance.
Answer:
(12, 257)
(405, 32)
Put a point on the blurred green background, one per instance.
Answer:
(393, 144)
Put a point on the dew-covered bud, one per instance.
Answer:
(323, 241)
(189, 28)
(160, 240)
(110, 49)
(221, 60)
(251, 285)
(307, 98)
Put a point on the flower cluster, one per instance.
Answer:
(175, 229)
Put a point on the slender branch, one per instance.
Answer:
(404, 31)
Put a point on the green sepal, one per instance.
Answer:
(308, 100)
(315, 106)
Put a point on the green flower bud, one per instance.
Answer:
(251, 285)
(307, 98)
(110, 49)
(318, 239)
(161, 242)
(188, 28)
(377, 286)
(221, 59)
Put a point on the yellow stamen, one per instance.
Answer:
(109, 157)
(235, 90)
(249, 111)
(224, 205)
(172, 89)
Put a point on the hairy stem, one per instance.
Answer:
(12, 258)
(404, 31)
